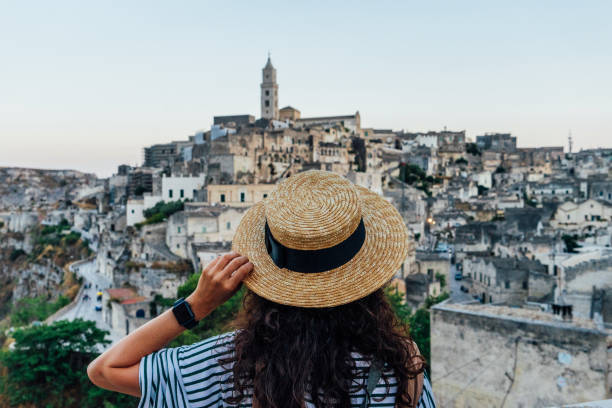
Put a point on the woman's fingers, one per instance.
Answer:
(211, 264)
(241, 273)
(233, 265)
(223, 261)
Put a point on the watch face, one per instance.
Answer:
(183, 312)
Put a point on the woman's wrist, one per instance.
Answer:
(200, 308)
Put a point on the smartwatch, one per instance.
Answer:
(183, 313)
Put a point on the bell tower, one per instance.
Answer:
(269, 92)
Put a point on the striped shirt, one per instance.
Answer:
(192, 377)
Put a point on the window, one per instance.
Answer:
(265, 195)
(132, 211)
(203, 229)
(524, 284)
(179, 230)
(194, 193)
(568, 216)
(242, 197)
(140, 313)
(170, 193)
(507, 284)
(267, 93)
(182, 194)
(177, 246)
(222, 198)
(430, 272)
(228, 225)
(267, 103)
(480, 277)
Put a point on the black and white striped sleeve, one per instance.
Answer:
(427, 396)
(160, 380)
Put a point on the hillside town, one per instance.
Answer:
(519, 238)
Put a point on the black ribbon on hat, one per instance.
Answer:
(316, 260)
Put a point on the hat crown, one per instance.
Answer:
(313, 210)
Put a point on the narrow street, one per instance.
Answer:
(85, 308)
(456, 295)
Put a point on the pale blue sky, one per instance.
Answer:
(87, 85)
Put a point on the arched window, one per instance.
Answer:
(140, 313)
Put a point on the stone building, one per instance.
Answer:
(181, 187)
(587, 285)
(269, 92)
(141, 180)
(371, 181)
(124, 310)
(583, 217)
(432, 264)
(350, 122)
(236, 120)
(475, 237)
(237, 195)
(500, 142)
(160, 155)
(417, 287)
(493, 356)
(201, 223)
(289, 113)
(553, 190)
(601, 190)
(500, 280)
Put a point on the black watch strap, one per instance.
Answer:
(183, 313)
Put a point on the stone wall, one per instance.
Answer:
(151, 281)
(582, 278)
(541, 287)
(488, 356)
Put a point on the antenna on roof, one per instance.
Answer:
(570, 141)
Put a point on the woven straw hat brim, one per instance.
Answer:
(384, 250)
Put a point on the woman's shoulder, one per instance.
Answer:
(206, 349)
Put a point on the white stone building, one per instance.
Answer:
(181, 188)
(584, 216)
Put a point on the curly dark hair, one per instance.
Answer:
(283, 353)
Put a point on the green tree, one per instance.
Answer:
(571, 243)
(398, 304)
(472, 149)
(442, 279)
(27, 310)
(47, 367)
(419, 321)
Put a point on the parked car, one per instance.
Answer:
(464, 289)
(458, 276)
(98, 308)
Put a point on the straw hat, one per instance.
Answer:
(319, 240)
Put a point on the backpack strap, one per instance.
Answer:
(374, 375)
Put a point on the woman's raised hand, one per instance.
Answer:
(220, 279)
